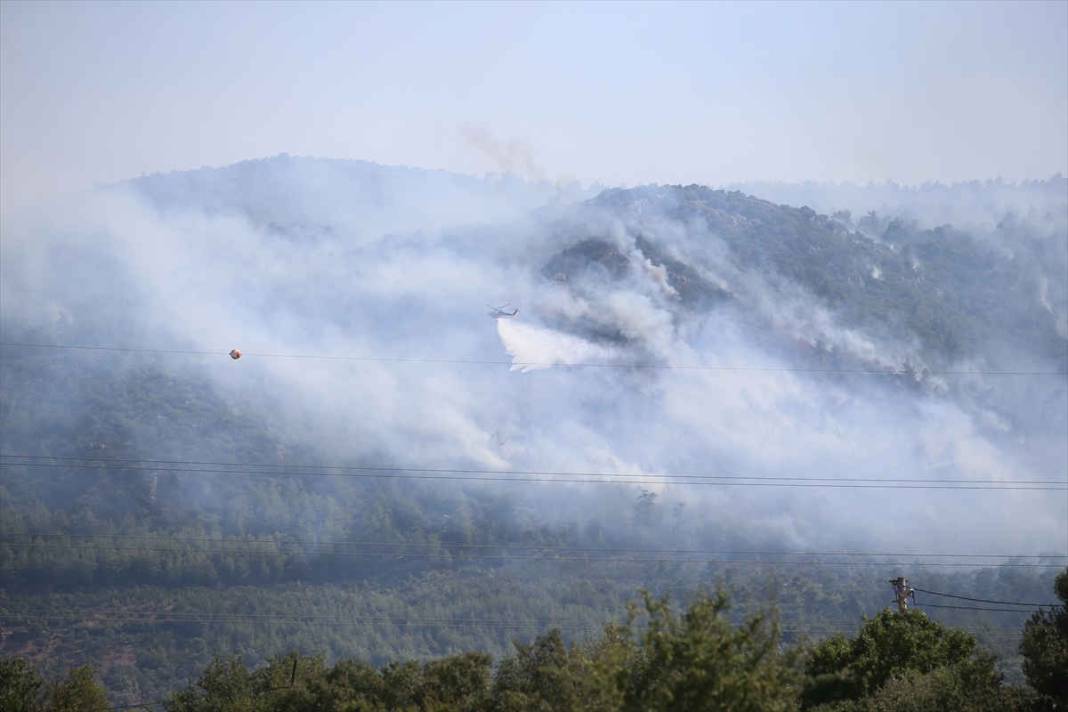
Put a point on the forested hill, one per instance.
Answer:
(387, 465)
(961, 296)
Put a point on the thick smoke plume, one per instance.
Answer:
(651, 339)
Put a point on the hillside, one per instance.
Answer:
(161, 504)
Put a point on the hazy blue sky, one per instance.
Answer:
(613, 92)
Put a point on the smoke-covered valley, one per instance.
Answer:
(661, 329)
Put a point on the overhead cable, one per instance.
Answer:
(532, 364)
(542, 556)
(94, 617)
(454, 544)
(263, 467)
(973, 608)
(985, 600)
(535, 476)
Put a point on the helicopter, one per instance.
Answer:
(500, 313)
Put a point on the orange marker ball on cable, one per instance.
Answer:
(235, 354)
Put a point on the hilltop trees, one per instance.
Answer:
(699, 661)
(902, 662)
(79, 692)
(20, 685)
(696, 660)
(23, 690)
(1045, 649)
(888, 647)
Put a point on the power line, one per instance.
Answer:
(514, 586)
(545, 557)
(680, 593)
(135, 464)
(105, 614)
(543, 553)
(153, 703)
(532, 364)
(164, 618)
(986, 600)
(534, 476)
(747, 609)
(452, 544)
(973, 608)
(406, 473)
(135, 705)
(94, 616)
(268, 690)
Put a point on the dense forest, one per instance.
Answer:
(657, 658)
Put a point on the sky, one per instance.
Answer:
(93, 93)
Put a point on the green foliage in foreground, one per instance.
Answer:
(896, 658)
(1045, 649)
(659, 659)
(23, 690)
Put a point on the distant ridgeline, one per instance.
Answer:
(961, 295)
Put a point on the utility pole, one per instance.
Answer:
(903, 592)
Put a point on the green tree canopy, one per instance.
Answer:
(22, 689)
(891, 646)
(699, 661)
(78, 692)
(1045, 648)
(20, 686)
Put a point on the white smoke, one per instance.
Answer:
(534, 348)
(677, 388)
